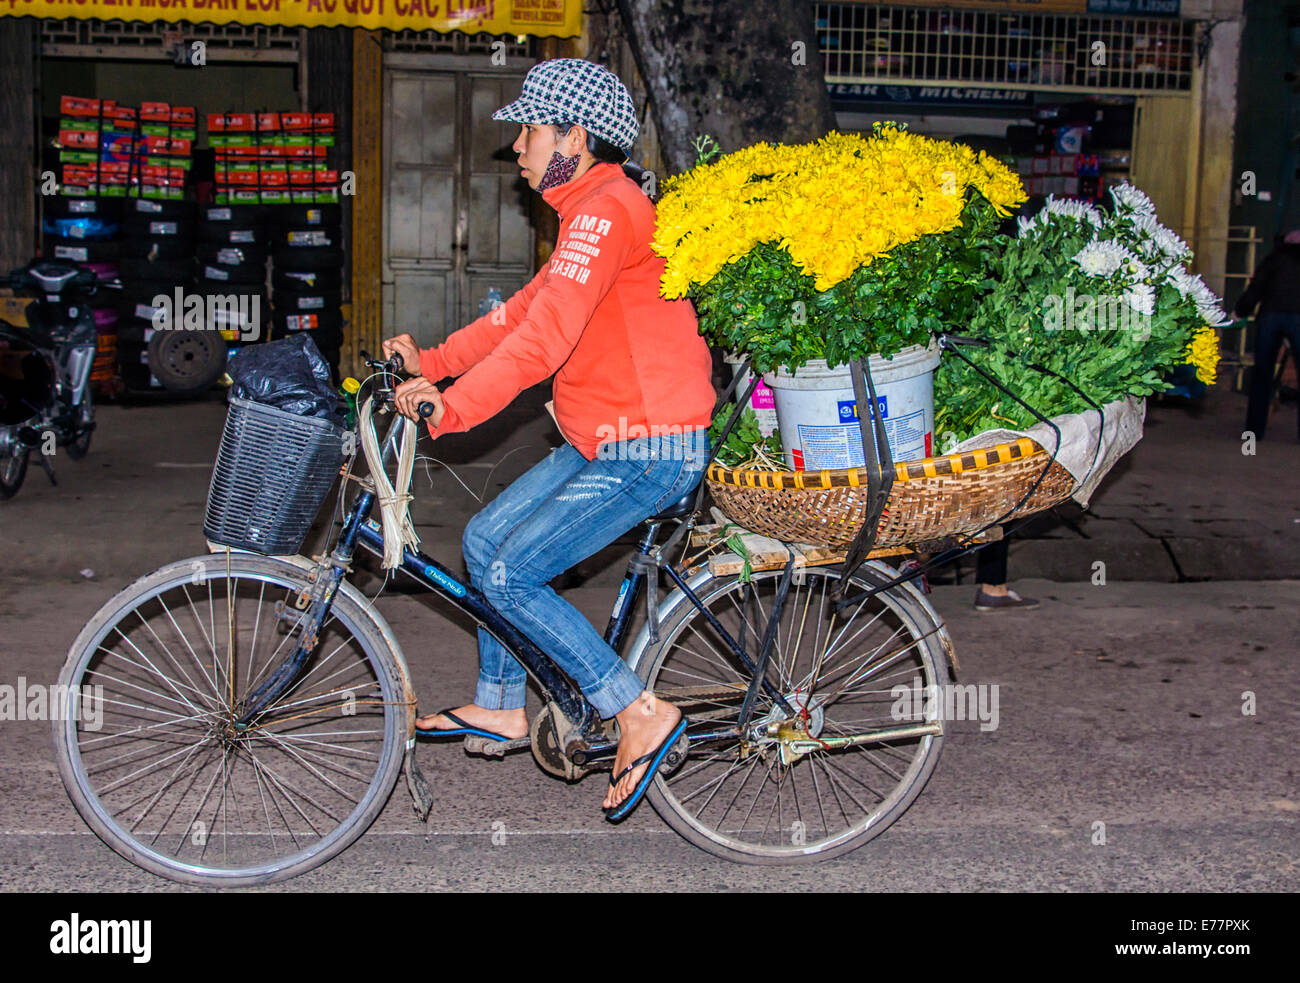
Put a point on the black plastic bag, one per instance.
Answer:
(291, 375)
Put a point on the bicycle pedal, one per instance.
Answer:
(674, 758)
(489, 748)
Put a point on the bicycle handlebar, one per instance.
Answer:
(387, 371)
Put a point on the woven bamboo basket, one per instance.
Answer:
(931, 500)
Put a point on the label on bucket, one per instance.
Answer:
(841, 446)
(848, 409)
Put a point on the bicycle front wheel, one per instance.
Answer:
(149, 743)
(850, 759)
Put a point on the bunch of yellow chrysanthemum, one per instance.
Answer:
(834, 205)
(1203, 353)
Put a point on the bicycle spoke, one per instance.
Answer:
(179, 780)
(837, 673)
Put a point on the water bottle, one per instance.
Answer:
(492, 301)
(349, 390)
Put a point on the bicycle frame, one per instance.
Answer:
(591, 742)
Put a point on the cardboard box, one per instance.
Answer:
(148, 173)
(307, 121)
(177, 146)
(78, 106)
(313, 176)
(308, 140)
(232, 122)
(161, 112)
(167, 130)
(184, 163)
(157, 191)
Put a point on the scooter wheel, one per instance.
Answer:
(12, 471)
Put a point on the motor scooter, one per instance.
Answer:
(45, 400)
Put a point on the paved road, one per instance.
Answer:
(1119, 704)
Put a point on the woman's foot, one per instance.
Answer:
(508, 723)
(642, 727)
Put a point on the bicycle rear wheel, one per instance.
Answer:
(146, 739)
(747, 799)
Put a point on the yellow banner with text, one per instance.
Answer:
(558, 18)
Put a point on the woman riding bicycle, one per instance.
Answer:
(627, 364)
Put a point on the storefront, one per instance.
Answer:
(355, 129)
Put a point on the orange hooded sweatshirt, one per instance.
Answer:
(627, 363)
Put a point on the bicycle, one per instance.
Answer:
(256, 711)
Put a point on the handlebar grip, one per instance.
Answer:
(425, 410)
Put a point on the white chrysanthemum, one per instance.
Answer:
(1207, 303)
(1141, 297)
(1079, 210)
(1157, 243)
(1128, 198)
(1211, 313)
(1134, 269)
(1184, 282)
(1101, 258)
(1028, 225)
(1172, 244)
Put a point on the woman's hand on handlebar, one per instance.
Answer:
(405, 346)
(411, 393)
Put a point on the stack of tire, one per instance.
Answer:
(234, 242)
(307, 276)
(84, 231)
(157, 261)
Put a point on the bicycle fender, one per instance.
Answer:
(880, 569)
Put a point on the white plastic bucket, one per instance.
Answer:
(762, 401)
(817, 411)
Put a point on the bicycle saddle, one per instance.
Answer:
(678, 509)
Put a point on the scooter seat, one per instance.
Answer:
(53, 277)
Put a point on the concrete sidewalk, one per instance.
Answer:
(1185, 504)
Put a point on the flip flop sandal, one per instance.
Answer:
(463, 728)
(655, 758)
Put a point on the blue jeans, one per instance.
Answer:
(1270, 328)
(560, 512)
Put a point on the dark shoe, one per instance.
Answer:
(462, 728)
(991, 602)
(655, 758)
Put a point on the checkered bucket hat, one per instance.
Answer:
(570, 90)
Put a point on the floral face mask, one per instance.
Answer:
(559, 170)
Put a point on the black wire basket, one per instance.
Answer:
(272, 474)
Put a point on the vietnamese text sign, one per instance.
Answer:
(562, 18)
